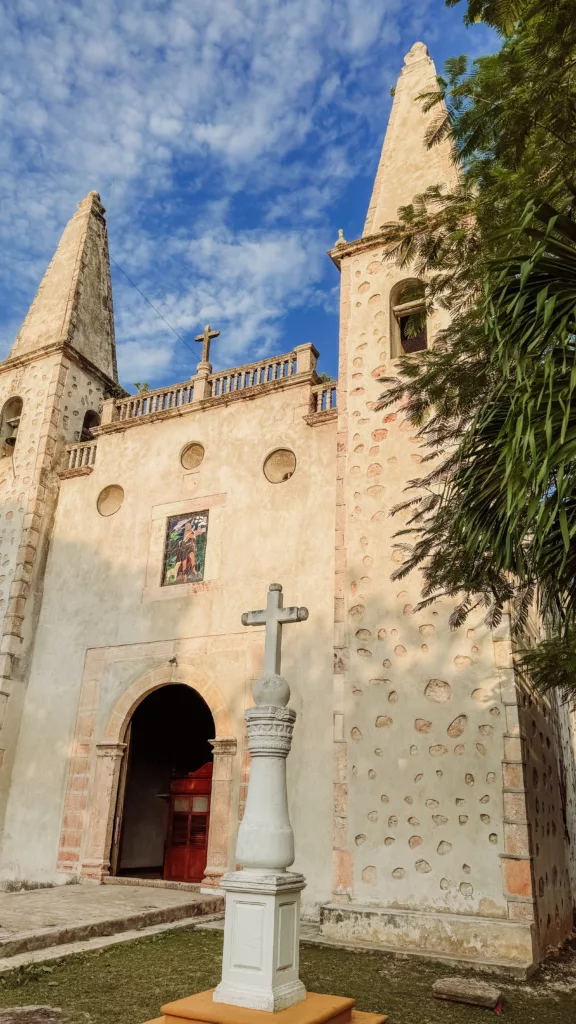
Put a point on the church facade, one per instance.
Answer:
(433, 802)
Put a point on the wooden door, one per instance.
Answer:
(188, 823)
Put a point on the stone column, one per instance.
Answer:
(220, 804)
(260, 965)
(96, 861)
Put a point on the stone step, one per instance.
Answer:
(42, 956)
(26, 941)
(151, 883)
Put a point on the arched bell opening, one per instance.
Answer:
(163, 807)
(9, 424)
(91, 420)
(409, 332)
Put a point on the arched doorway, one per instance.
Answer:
(168, 767)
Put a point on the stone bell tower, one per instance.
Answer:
(61, 366)
(431, 846)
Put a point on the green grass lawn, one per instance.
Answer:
(128, 983)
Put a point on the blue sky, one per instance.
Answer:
(229, 141)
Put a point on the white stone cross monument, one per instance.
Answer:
(260, 964)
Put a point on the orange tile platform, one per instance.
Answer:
(315, 1009)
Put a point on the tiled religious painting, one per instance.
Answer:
(185, 550)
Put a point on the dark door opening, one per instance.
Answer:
(168, 741)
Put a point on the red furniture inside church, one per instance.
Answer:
(188, 823)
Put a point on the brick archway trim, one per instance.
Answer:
(154, 679)
(91, 791)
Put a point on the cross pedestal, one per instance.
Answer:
(260, 966)
(261, 940)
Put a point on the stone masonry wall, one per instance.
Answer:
(566, 721)
(546, 814)
(420, 725)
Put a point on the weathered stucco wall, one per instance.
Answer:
(102, 591)
(55, 394)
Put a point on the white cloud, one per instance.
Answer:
(173, 110)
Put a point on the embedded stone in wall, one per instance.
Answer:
(356, 610)
(456, 728)
(462, 661)
(438, 690)
(427, 629)
(422, 725)
(423, 867)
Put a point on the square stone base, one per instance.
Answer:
(261, 949)
(314, 1009)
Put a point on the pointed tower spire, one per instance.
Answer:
(407, 166)
(73, 305)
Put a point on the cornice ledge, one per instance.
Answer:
(363, 244)
(67, 474)
(315, 419)
(14, 362)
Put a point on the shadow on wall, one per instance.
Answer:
(83, 594)
(422, 770)
(93, 602)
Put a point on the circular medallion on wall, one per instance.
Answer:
(279, 465)
(191, 456)
(110, 499)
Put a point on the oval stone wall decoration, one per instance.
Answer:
(110, 500)
(279, 465)
(192, 455)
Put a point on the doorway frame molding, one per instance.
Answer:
(95, 761)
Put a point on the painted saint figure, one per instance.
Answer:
(185, 549)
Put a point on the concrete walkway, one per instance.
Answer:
(44, 918)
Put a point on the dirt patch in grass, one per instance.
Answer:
(128, 983)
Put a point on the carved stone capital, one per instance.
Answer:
(224, 746)
(270, 730)
(110, 749)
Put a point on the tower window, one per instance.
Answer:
(91, 419)
(11, 415)
(409, 331)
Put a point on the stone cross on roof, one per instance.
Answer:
(273, 616)
(205, 338)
